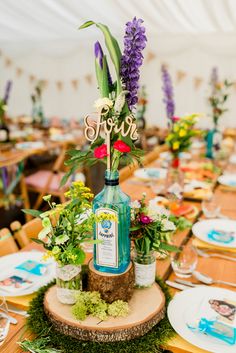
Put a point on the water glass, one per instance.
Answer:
(211, 207)
(184, 262)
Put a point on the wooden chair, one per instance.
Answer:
(48, 181)
(24, 234)
(16, 160)
(7, 242)
(153, 155)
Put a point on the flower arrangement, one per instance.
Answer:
(37, 109)
(115, 107)
(219, 96)
(181, 133)
(66, 226)
(168, 91)
(4, 100)
(150, 229)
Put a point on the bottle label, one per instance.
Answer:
(144, 274)
(107, 232)
(3, 135)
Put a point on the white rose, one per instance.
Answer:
(135, 204)
(168, 225)
(101, 102)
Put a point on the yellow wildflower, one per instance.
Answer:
(176, 128)
(175, 145)
(182, 132)
(87, 195)
(78, 183)
(47, 255)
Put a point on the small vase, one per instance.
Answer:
(112, 253)
(174, 183)
(144, 268)
(213, 142)
(69, 282)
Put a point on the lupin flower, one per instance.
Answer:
(168, 93)
(132, 58)
(99, 56)
(7, 91)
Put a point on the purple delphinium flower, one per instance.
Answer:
(7, 91)
(167, 88)
(99, 56)
(132, 58)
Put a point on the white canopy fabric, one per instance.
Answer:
(40, 39)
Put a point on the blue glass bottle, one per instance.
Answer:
(112, 254)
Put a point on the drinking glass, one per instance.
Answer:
(211, 207)
(184, 262)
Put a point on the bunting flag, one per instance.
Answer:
(59, 85)
(180, 75)
(8, 62)
(150, 56)
(19, 71)
(75, 84)
(88, 79)
(32, 78)
(197, 81)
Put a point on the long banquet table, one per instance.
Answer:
(217, 268)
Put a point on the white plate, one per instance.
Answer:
(150, 173)
(29, 145)
(227, 179)
(185, 307)
(9, 262)
(233, 159)
(201, 230)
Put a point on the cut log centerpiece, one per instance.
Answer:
(147, 308)
(111, 286)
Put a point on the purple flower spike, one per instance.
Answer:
(132, 58)
(99, 56)
(98, 53)
(7, 91)
(168, 93)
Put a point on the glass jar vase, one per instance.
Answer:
(144, 268)
(69, 282)
(174, 186)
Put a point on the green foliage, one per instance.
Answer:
(182, 131)
(218, 98)
(67, 226)
(152, 342)
(181, 223)
(91, 303)
(118, 308)
(40, 345)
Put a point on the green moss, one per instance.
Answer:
(152, 342)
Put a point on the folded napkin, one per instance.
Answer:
(21, 302)
(202, 244)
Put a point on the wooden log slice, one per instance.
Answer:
(147, 308)
(111, 286)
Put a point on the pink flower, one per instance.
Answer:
(145, 219)
(119, 145)
(100, 151)
(175, 118)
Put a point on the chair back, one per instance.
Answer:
(7, 242)
(19, 234)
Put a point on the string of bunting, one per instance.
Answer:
(19, 72)
(180, 75)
